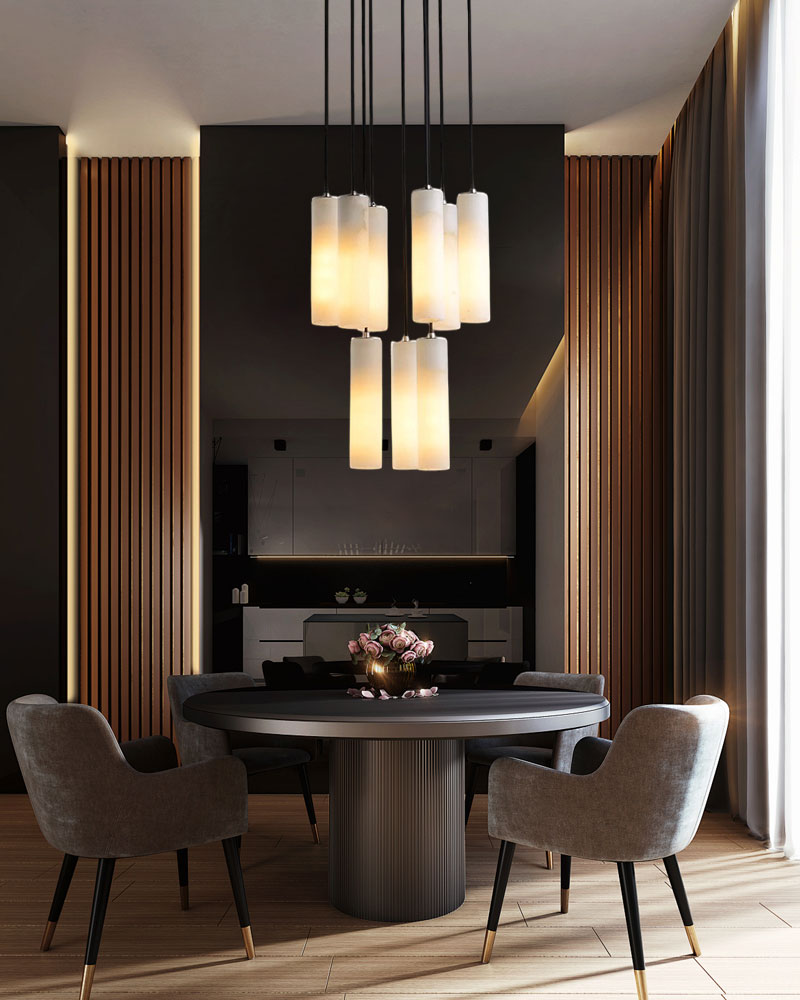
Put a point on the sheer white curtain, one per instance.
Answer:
(783, 426)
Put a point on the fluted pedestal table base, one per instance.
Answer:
(396, 827)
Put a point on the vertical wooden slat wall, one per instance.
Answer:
(618, 512)
(135, 437)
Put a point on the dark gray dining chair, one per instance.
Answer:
(93, 798)
(197, 743)
(547, 749)
(638, 798)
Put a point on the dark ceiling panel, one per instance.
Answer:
(260, 355)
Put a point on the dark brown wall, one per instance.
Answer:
(135, 436)
(618, 575)
(32, 495)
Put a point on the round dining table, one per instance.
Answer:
(396, 780)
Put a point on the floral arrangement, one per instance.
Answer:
(390, 655)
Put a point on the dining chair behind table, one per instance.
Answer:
(638, 798)
(95, 798)
(197, 742)
(548, 749)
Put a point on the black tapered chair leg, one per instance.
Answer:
(234, 863)
(504, 860)
(630, 900)
(238, 842)
(305, 784)
(566, 871)
(62, 887)
(469, 792)
(676, 881)
(183, 876)
(102, 890)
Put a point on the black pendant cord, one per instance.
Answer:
(353, 96)
(327, 99)
(469, 79)
(441, 102)
(371, 115)
(427, 81)
(364, 176)
(403, 162)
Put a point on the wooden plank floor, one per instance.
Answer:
(746, 905)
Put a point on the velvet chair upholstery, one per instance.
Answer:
(94, 798)
(196, 743)
(547, 749)
(638, 798)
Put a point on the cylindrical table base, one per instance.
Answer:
(396, 828)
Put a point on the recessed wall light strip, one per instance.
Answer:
(473, 227)
(404, 351)
(325, 229)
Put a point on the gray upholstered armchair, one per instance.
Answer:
(197, 743)
(94, 798)
(548, 749)
(639, 798)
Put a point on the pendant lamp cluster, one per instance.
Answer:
(349, 271)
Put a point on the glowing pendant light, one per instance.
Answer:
(473, 229)
(433, 404)
(366, 402)
(353, 261)
(427, 220)
(324, 236)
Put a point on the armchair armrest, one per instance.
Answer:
(150, 813)
(589, 754)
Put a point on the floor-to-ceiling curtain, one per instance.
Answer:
(716, 309)
(783, 426)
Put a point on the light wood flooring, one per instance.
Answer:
(746, 906)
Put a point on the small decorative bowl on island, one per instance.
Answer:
(391, 656)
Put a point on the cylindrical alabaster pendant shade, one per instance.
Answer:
(427, 255)
(473, 257)
(405, 426)
(452, 306)
(433, 404)
(325, 261)
(378, 219)
(353, 261)
(366, 403)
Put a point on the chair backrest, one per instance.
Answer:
(588, 683)
(657, 775)
(196, 743)
(286, 676)
(308, 664)
(70, 762)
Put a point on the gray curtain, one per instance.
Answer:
(716, 311)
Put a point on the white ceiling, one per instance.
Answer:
(139, 76)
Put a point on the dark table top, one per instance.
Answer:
(453, 714)
(396, 616)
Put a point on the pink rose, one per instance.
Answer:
(363, 639)
(386, 637)
(413, 637)
(399, 644)
(420, 648)
(408, 657)
(429, 644)
(353, 647)
(373, 648)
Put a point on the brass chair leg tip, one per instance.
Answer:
(86, 982)
(641, 983)
(549, 860)
(247, 935)
(692, 935)
(184, 897)
(488, 945)
(47, 937)
(565, 900)
(315, 832)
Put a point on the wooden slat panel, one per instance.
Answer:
(135, 437)
(617, 480)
